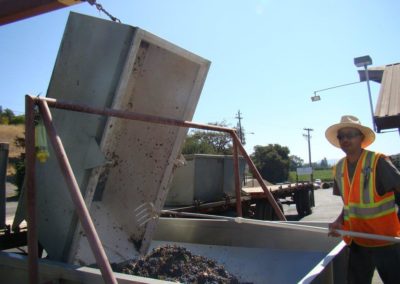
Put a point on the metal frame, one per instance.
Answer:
(12, 11)
(3, 175)
(82, 211)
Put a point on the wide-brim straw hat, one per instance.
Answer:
(353, 122)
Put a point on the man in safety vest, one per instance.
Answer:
(366, 181)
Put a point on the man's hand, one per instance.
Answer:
(336, 225)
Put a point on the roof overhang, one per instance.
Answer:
(15, 10)
(387, 111)
(374, 73)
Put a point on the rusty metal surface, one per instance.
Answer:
(258, 176)
(133, 115)
(30, 181)
(79, 203)
(12, 10)
(3, 177)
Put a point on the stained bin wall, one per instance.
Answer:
(119, 164)
(204, 178)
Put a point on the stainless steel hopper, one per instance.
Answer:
(119, 164)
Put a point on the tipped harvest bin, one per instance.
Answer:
(203, 178)
(119, 164)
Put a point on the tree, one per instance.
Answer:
(208, 142)
(7, 116)
(193, 145)
(272, 162)
(295, 162)
(324, 164)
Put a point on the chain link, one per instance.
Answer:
(101, 9)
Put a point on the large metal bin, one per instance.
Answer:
(119, 164)
(255, 254)
(260, 254)
(203, 178)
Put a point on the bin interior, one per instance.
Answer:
(253, 253)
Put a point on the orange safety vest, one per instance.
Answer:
(364, 209)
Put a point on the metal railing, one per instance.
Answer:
(44, 105)
(3, 178)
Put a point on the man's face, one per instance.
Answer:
(350, 139)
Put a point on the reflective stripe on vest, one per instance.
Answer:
(371, 212)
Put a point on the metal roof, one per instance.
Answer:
(387, 110)
(11, 10)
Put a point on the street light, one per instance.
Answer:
(365, 61)
(362, 61)
(316, 98)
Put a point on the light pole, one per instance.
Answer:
(242, 138)
(364, 61)
(308, 136)
(240, 131)
(316, 97)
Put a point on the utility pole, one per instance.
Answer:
(308, 136)
(241, 137)
(239, 117)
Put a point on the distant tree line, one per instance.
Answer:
(272, 161)
(208, 142)
(7, 116)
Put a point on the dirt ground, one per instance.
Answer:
(7, 135)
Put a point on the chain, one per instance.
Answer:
(101, 9)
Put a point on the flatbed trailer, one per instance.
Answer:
(204, 183)
(255, 203)
(301, 194)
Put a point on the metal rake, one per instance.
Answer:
(147, 212)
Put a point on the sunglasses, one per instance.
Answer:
(348, 136)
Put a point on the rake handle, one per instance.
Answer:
(287, 226)
(320, 230)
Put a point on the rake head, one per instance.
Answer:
(145, 212)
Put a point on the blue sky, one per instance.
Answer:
(267, 59)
